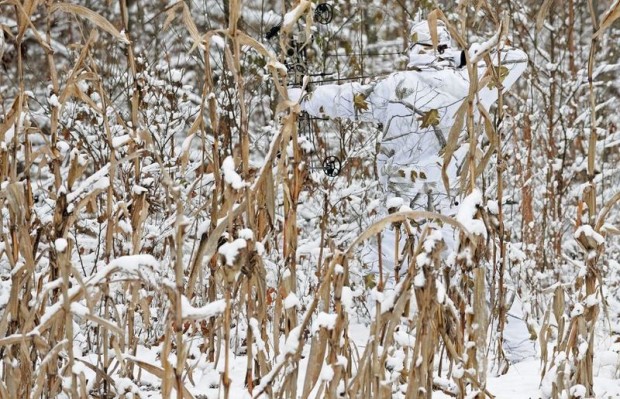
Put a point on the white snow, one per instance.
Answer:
(126, 386)
(591, 300)
(578, 391)
(577, 310)
(588, 231)
(325, 320)
(136, 189)
(347, 299)
(483, 47)
(79, 310)
(246, 234)
(260, 344)
(53, 101)
(394, 202)
(419, 279)
(493, 207)
(118, 142)
(292, 341)
(230, 250)
(404, 339)
(435, 236)
(441, 292)
(176, 75)
(60, 244)
(327, 373)
(291, 301)
(204, 312)
(422, 260)
(230, 175)
(467, 212)
(95, 181)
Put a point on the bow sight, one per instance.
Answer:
(296, 64)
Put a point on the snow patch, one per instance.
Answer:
(588, 231)
(60, 244)
(209, 310)
(394, 202)
(230, 175)
(246, 234)
(325, 320)
(327, 373)
(230, 250)
(467, 212)
(291, 301)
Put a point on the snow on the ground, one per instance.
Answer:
(522, 381)
(517, 343)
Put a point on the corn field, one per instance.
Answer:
(174, 223)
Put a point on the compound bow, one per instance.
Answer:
(296, 64)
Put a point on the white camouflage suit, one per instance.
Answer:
(409, 161)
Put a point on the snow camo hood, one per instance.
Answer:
(421, 50)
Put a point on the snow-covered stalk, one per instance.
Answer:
(471, 297)
(339, 351)
(108, 253)
(179, 274)
(425, 265)
(592, 243)
(502, 311)
(397, 252)
(64, 263)
(474, 315)
(226, 378)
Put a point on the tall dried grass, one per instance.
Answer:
(111, 200)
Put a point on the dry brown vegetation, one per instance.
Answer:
(140, 142)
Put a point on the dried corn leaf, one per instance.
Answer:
(16, 200)
(602, 217)
(438, 14)
(359, 102)
(187, 144)
(315, 362)
(270, 201)
(9, 119)
(191, 28)
(381, 224)
(452, 143)
(432, 25)
(429, 118)
(542, 14)
(610, 16)
(292, 16)
(25, 13)
(156, 371)
(92, 16)
(498, 74)
(559, 303)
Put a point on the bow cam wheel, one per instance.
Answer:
(323, 13)
(332, 166)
